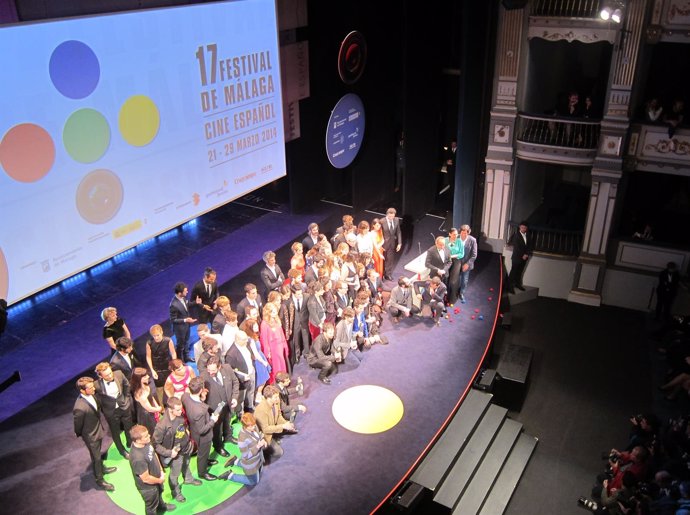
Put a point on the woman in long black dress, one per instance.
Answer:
(146, 406)
(159, 351)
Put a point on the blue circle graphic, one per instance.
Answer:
(74, 69)
(345, 131)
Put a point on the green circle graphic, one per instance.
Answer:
(86, 135)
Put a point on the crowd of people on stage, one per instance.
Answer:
(183, 396)
(650, 475)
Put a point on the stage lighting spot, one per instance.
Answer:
(139, 120)
(367, 409)
(27, 152)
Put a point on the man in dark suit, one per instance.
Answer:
(112, 392)
(312, 237)
(342, 297)
(433, 293)
(201, 423)
(223, 386)
(123, 359)
(271, 274)
(521, 242)
(297, 329)
(392, 241)
(181, 319)
(666, 290)
(252, 298)
(87, 426)
(204, 295)
(438, 259)
(240, 358)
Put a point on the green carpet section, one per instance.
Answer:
(199, 498)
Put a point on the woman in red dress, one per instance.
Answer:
(297, 260)
(377, 237)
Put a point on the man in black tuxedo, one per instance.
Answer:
(112, 392)
(223, 386)
(297, 330)
(438, 259)
(666, 290)
(252, 298)
(204, 295)
(342, 298)
(392, 241)
(123, 359)
(271, 275)
(201, 422)
(521, 242)
(180, 318)
(87, 426)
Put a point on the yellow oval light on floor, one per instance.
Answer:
(367, 409)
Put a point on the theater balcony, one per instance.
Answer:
(651, 150)
(575, 20)
(558, 140)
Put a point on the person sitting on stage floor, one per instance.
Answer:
(400, 301)
(345, 340)
(174, 446)
(201, 422)
(271, 422)
(288, 409)
(432, 293)
(87, 426)
(360, 327)
(252, 444)
(322, 355)
(148, 472)
(373, 314)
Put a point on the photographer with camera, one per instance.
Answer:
(636, 462)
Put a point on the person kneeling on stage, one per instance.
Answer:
(251, 444)
(287, 408)
(174, 447)
(400, 301)
(323, 355)
(147, 471)
(346, 339)
(432, 293)
(271, 422)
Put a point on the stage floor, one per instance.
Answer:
(326, 468)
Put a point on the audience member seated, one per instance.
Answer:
(653, 110)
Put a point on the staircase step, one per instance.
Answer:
(485, 475)
(436, 463)
(497, 500)
(457, 479)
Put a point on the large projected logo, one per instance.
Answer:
(345, 131)
(27, 151)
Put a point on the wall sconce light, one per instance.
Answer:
(612, 10)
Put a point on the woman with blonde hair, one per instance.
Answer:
(273, 342)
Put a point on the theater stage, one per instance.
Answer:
(326, 468)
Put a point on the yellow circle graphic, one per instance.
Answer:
(368, 409)
(139, 120)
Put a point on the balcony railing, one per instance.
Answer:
(551, 241)
(566, 8)
(582, 133)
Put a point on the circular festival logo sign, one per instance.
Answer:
(352, 57)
